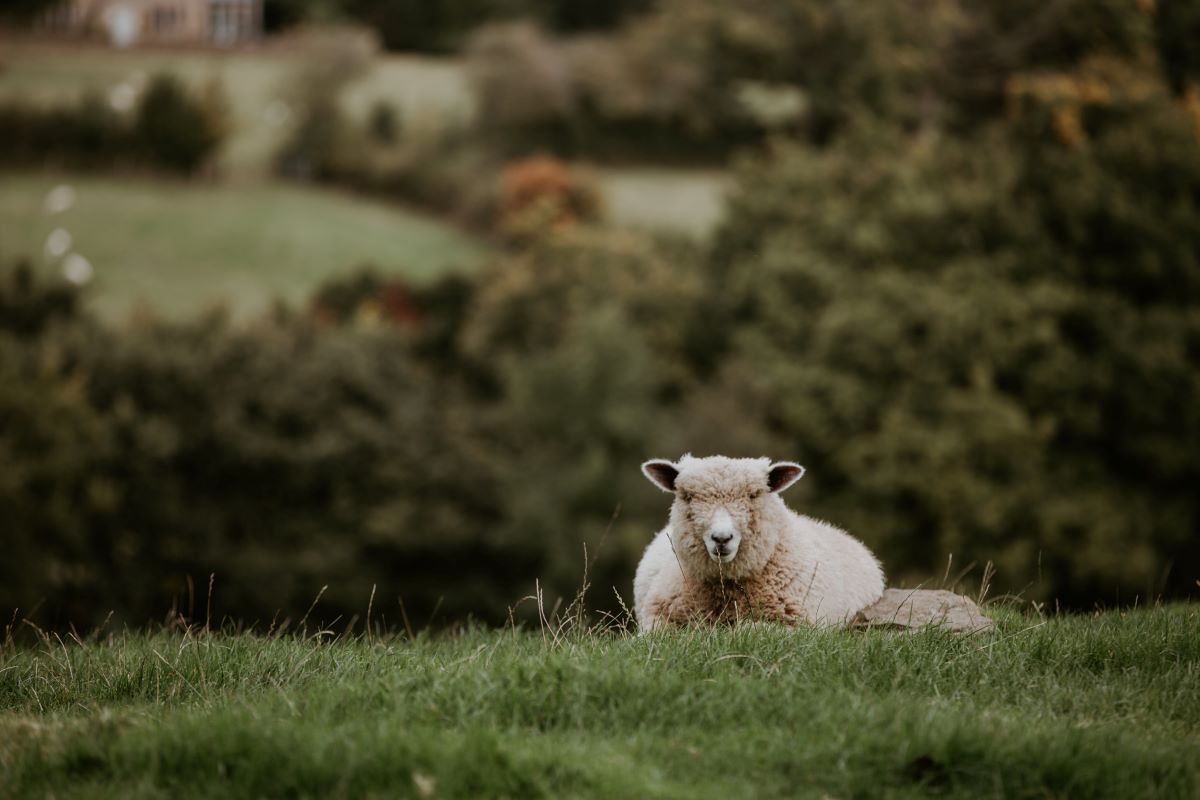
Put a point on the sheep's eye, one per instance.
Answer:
(685, 497)
(757, 493)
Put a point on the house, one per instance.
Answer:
(159, 22)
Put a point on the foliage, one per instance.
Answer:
(989, 345)
(282, 15)
(1102, 705)
(367, 296)
(174, 131)
(964, 295)
(320, 141)
(187, 423)
(364, 430)
(23, 11)
(420, 160)
(1176, 28)
(520, 76)
(700, 78)
(440, 26)
(27, 306)
(543, 194)
(90, 134)
(600, 96)
(169, 130)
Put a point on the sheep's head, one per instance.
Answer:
(724, 512)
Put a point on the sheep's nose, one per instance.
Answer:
(722, 537)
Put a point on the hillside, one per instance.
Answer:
(182, 247)
(1087, 706)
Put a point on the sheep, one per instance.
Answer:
(733, 550)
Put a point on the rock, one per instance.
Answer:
(912, 609)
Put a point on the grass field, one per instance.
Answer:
(430, 94)
(182, 247)
(1099, 706)
(689, 201)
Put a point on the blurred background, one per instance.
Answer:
(394, 296)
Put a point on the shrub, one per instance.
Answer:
(543, 194)
(985, 343)
(522, 77)
(700, 78)
(366, 295)
(322, 142)
(280, 458)
(170, 130)
(293, 454)
(973, 318)
(89, 135)
(601, 97)
(28, 306)
(441, 26)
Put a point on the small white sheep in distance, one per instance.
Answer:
(732, 550)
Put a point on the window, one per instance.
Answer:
(232, 21)
(165, 19)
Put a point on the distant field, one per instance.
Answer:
(686, 200)
(182, 247)
(429, 93)
(1104, 706)
(258, 86)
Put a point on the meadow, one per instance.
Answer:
(952, 270)
(183, 247)
(1098, 706)
(259, 90)
(688, 201)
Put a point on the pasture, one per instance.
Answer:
(689, 201)
(182, 247)
(260, 88)
(1098, 706)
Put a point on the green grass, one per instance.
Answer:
(181, 247)
(430, 94)
(1099, 707)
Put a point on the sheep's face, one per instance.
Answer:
(720, 506)
(718, 522)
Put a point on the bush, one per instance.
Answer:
(426, 457)
(441, 26)
(976, 326)
(28, 306)
(522, 78)
(89, 135)
(543, 194)
(987, 344)
(323, 141)
(700, 78)
(279, 458)
(170, 130)
(605, 98)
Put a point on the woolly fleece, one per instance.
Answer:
(788, 568)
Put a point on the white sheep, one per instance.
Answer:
(732, 550)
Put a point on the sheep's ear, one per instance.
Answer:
(661, 473)
(783, 474)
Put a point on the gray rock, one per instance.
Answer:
(912, 609)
